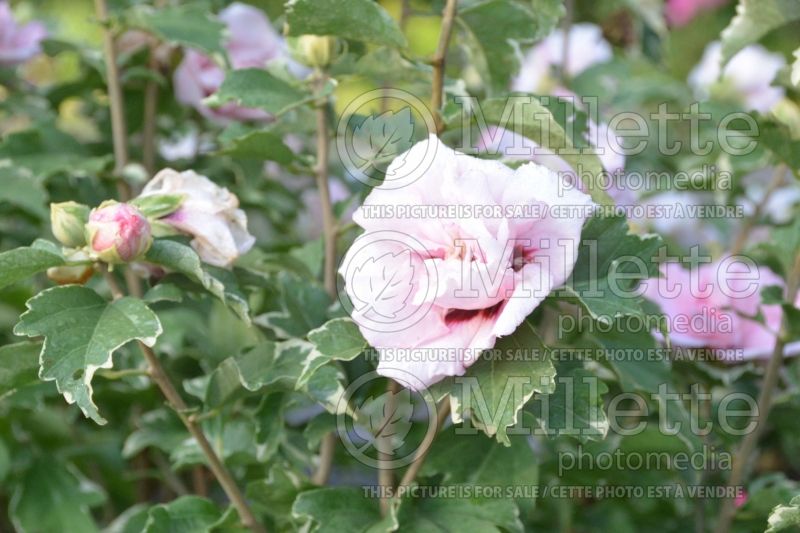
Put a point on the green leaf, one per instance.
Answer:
(276, 494)
(609, 268)
(527, 116)
(459, 514)
(46, 151)
(785, 517)
(254, 87)
(182, 258)
(783, 246)
(338, 509)
(54, 497)
(304, 307)
(190, 25)
(161, 429)
(464, 459)
(187, 514)
(497, 386)
(132, 520)
(777, 138)
(23, 190)
(336, 340)
(82, 331)
(575, 408)
(520, 25)
(259, 145)
(753, 20)
(636, 369)
(19, 364)
(360, 20)
(21, 263)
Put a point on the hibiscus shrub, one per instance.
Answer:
(333, 265)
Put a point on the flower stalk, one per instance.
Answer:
(328, 444)
(438, 63)
(159, 376)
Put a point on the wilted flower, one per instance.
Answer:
(749, 75)
(717, 306)
(72, 274)
(252, 43)
(681, 12)
(473, 275)
(18, 43)
(118, 233)
(586, 48)
(209, 213)
(68, 221)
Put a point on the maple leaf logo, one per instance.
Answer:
(389, 286)
(387, 419)
(380, 138)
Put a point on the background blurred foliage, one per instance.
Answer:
(59, 471)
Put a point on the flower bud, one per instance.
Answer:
(118, 233)
(314, 50)
(67, 220)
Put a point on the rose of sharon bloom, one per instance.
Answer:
(209, 213)
(749, 74)
(709, 307)
(18, 43)
(586, 48)
(118, 233)
(476, 276)
(252, 43)
(681, 12)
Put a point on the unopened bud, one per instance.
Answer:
(314, 50)
(118, 233)
(67, 220)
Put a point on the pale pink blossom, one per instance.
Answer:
(118, 233)
(472, 276)
(586, 47)
(716, 305)
(749, 75)
(18, 43)
(252, 43)
(681, 12)
(209, 213)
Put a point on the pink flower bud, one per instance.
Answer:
(118, 233)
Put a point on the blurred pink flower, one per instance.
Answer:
(18, 43)
(209, 213)
(587, 47)
(252, 43)
(740, 499)
(118, 233)
(510, 145)
(681, 12)
(474, 276)
(749, 74)
(715, 306)
(309, 221)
